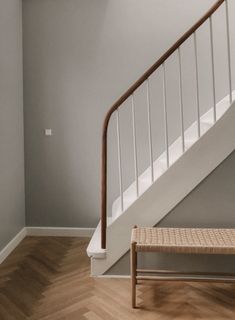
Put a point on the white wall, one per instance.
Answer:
(12, 213)
(79, 57)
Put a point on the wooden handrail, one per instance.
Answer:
(124, 97)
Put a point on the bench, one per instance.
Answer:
(179, 240)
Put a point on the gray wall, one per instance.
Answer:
(211, 204)
(12, 213)
(79, 57)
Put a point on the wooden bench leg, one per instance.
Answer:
(133, 273)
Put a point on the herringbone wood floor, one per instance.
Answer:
(48, 279)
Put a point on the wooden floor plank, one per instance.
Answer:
(48, 278)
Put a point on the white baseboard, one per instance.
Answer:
(60, 232)
(115, 276)
(43, 231)
(4, 253)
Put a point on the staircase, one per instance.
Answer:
(185, 161)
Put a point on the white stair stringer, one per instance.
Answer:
(175, 152)
(171, 186)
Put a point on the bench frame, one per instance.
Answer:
(138, 275)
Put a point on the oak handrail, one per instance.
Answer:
(124, 97)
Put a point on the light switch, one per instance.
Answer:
(48, 132)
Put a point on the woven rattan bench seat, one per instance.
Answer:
(184, 240)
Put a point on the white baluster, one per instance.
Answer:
(120, 162)
(229, 53)
(165, 116)
(150, 132)
(135, 145)
(197, 86)
(181, 100)
(213, 68)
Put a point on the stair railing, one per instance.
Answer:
(145, 78)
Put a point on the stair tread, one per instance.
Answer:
(94, 248)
